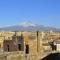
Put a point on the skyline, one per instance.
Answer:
(41, 12)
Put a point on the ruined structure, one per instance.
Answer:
(16, 44)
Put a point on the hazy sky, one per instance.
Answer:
(42, 12)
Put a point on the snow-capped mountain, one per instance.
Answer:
(28, 26)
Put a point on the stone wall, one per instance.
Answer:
(3, 57)
(18, 56)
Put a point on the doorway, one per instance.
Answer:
(8, 48)
(27, 49)
(19, 47)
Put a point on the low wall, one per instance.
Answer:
(18, 56)
(3, 57)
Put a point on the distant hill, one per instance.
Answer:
(28, 27)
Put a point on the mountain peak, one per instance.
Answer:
(27, 24)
